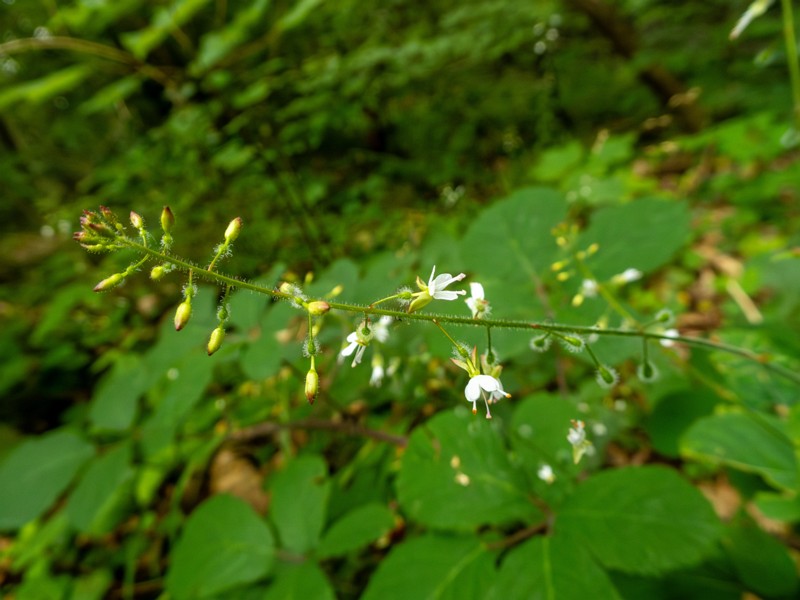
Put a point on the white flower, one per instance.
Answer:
(381, 329)
(437, 285)
(588, 288)
(487, 387)
(378, 371)
(477, 303)
(577, 438)
(627, 276)
(357, 342)
(672, 333)
(545, 473)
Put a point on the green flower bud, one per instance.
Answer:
(136, 220)
(232, 232)
(167, 219)
(319, 307)
(109, 282)
(215, 341)
(182, 314)
(157, 272)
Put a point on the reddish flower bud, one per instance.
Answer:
(182, 314)
(318, 307)
(109, 282)
(136, 220)
(312, 385)
(232, 232)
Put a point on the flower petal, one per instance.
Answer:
(473, 390)
(476, 290)
(448, 295)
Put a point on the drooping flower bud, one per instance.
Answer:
(182, 314)
(312, 384)
(167, 219)
(109, 282)
(215, 341)
(232, 232)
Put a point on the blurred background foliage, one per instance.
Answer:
(363, 142)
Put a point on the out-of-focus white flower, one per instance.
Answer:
(357, 342)
(378, 372)
(588, 288)
(577, 438)
(672, 333)
(545, 473)
(381, 329)
(627, 276)
(477, 302)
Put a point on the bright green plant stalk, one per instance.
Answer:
(791, 57)
(216, 277)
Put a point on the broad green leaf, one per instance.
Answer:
(166, 20)
(762, 562)
(777, 507)
(432, 568)
(456, 475)
(643, 234)
(36, 472)
(556, 163)
(91, 505)
(356, 529)
(644, 520)
(299, 502)
(262, 358)
(224, 544)
(92, 586)
(674, 415)
(116, 399)
(44, 88)
(743, 442)
(216, 45)
(304, 581)
(551, 568)
(512, 239)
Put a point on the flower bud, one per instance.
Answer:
(109, 282)
(215, 341)
(422, 300)
(312, 385)
(110, 216)
(136, 220)
(232, 232)
(182, 314)
(157, 272)
(318, 307)
(167, 219)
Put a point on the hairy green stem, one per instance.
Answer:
(791, 58)
(762, 359)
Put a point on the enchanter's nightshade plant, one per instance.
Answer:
(435, 290)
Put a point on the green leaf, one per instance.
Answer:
(551, 569)
(456, 475)
(262, 357)
(674, 415)
(116, 399)
(44, 88)
(92, 586)
(300, 10)
(556, 163)
(224, 544)
(762, 562)
(111, 95)
(357, 528)
(644, 520)
(165, 21)
(92, 504)
(299, 502)
(643, 234)
(512, 239)
(744, 443)
(777, 507)
(36, 473)
(432, 568)
(216, 45)
(304, 581)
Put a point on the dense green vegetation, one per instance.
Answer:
(594, 165)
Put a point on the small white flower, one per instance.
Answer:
(378, 371)
(477, 303)
(545, 473)
(672, 333)
(381, 329)
(357, 342)
(588, 288)
(486, 387)
(627, 276)
(437, 285)
(577, 438)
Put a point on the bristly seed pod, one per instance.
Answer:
(232, 232)
(182, 315)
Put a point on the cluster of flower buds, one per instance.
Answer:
(99, 230)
